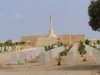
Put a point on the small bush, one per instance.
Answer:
(46, 48)
(59, 60)
(49, 47)
(66, 50)
(81, 49)
(63, 53)
(87, 42)
(98, 42)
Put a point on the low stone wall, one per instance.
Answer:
(5, 58)
(48, 55)
(23, 56)
(94, 53)
(17, 57)
(14, 57)
(98, 46)
(55, 52)
(71, 56)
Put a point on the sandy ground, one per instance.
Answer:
(50, 73)
(37, 69)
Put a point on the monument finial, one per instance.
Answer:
(51, 31)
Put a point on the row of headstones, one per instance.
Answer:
(71, 56)
(98, 46)
(2, 49)
(48, 55)
(95, 53)
(21, 57)
(45, 56)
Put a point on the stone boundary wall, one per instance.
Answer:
(94, 53)
(55, 52)
(46, 56)
(5, 58)
(28, 55)
(71, 56)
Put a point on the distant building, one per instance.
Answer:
(51, 38)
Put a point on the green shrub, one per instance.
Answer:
(98, 42)
(66, 50)
(63, 53)
(46, 48)
(87, 42)
(81, 49)
(49, 47)
(60, 44)
(59, 60)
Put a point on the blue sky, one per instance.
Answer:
(31, 17)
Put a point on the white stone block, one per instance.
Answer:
(71, 56)
(94, 53)
(42, 59)
(28, 56)
(21, 57)
(14, 57)
(47, 56)
(55, 52)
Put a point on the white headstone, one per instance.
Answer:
(21, 57)
(55, 52)
(42, 59)
(28, 56)
(47, 56)
(14, 57)
(71, 56)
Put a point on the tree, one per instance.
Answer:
(87, 42)
(98, 42)
(1, 45)
(7, 44)
(13, 46)
(94, 14)
(22, 43)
